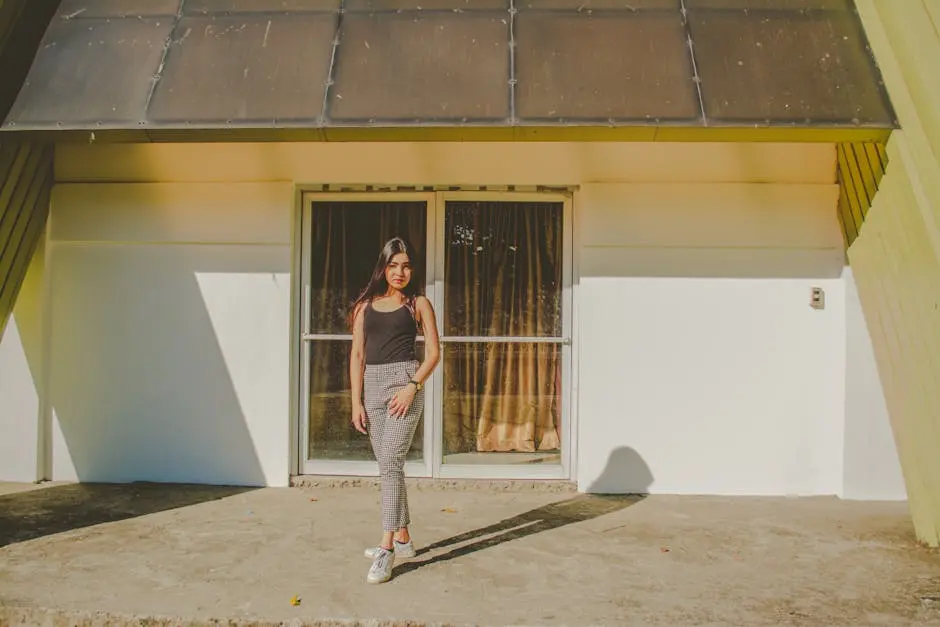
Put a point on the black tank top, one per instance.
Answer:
(390, 335)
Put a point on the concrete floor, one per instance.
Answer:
(182, 555)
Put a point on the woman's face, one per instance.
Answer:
(398, 271)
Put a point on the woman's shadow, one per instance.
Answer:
(625, 481)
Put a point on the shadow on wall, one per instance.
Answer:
(21, 376)
(713, 262)
(625, 473)
(159, 354)
(740, 231)
(42, 512)
(559, 514)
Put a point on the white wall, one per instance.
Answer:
(703, 367)
(170, 332)
(872, 467)
(21, 380)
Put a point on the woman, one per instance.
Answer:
(385, 321)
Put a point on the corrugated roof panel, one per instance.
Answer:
(263, 64)
(599, 5)
(254, 67)
(386, 6)
(215, 7)
(771, 5)
(786, 67)
(90, 71)
(427, 67)
(70, 9)
(621, 66)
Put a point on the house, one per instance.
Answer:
(631, 217)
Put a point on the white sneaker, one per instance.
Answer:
(404, 550)
(381, 570)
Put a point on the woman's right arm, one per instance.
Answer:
(357, 361)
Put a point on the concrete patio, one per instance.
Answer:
(163, 555)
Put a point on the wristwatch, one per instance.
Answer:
(417, 385)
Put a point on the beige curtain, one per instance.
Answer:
(503, 264)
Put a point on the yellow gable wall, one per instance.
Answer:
(896, 257)
(25, 183)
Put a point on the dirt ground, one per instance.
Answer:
(163, 555)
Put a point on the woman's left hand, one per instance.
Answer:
(401, 401)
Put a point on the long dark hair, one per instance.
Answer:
(378, 286)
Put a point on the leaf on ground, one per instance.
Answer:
(664, 549)
(313, 498)
(295, 600)
(449, 510)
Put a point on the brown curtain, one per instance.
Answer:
(347, 239)
(503, 267)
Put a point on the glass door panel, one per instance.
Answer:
(503, 332)
(330, 434)
(502, 403)
(345, 240)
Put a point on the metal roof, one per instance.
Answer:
(308, 68)
(22, 23)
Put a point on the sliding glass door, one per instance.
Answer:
(497, 271)
(503, 332)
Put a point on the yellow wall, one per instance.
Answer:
(472, 163)
(25, 185)
(860, 166)
(896, 257)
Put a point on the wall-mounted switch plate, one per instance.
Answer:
(818, 298)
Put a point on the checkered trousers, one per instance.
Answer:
(391, 437)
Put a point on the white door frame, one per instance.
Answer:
(431, 464)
